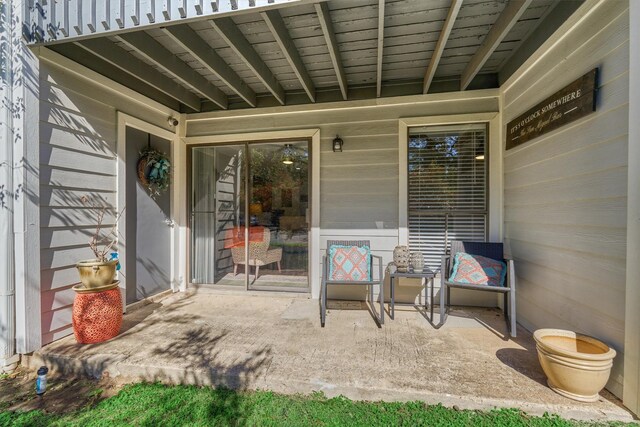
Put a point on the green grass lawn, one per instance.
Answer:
(160, 405)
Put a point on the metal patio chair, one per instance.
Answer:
(370, 283)
(488, 250)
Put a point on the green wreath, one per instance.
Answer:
(154, 171)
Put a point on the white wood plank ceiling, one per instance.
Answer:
(318, 51)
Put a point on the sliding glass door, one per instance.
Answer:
(266, 183)
(217, 210)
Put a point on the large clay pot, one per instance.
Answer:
(95, 273)
(577, 366)
(97, 316)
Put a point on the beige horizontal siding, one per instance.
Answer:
(359, 186)
(77, 158)
(565, 197)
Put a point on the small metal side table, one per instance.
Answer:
(427, 277)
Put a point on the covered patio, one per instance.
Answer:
(310, 121)
(249, 341)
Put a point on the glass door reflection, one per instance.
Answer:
(268, 183)
(278, 198)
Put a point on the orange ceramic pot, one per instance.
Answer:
(97, 316)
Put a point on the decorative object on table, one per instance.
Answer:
(417, 261)
(577, 366)
(99, 271)
(154, 170)
(97, 314)
(401, 257)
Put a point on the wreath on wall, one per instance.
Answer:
(154, 171)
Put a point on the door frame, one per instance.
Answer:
(313, 135)
(125, 120)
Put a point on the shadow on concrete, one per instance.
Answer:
(524, 361)
(194, 356)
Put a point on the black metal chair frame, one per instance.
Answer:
(489, 250)
(326, 282)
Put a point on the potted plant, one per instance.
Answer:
(99, 272)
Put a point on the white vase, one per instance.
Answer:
(417, 261)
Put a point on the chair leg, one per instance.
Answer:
(279, 268)
(257, 271)
(382, 302)
(235, 270)
(323, 303)
(505, 307)
(448, 298)
(512, 292)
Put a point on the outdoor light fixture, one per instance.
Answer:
(287, 156)
(337, 144)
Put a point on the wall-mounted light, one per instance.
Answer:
(287, 154)
(337, 144)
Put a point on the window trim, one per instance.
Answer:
(495, 175)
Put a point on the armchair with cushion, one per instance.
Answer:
(350, 262)
(259, 252)
(492, 255)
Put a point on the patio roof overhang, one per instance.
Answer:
(195, 55)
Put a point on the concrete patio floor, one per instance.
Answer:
(274, 342)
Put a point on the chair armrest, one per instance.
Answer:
(379, 266)
(511, 273)
(324, 267)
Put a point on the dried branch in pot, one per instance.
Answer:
(101, 244)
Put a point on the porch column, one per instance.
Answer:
(631, 388)
(19, 189)
(7, 289)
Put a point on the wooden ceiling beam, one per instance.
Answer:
(380, 47)
(507, 19)
(89, 60)
(229, 31)
(128, 63)
(148, 47)
(441, 44)
(322, 9)
(189, 40)
(279, 31)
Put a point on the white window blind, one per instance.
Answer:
(447, 187)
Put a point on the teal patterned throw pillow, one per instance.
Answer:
(478, 270)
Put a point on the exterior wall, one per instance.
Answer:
(77, 157)
(565, 193)
(359, 186)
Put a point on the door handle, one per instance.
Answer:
(169, 222)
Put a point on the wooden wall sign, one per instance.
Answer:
(572, 102)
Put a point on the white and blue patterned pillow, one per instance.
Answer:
(349, 263)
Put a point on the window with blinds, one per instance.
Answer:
(447, 187)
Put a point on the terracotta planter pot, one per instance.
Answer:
(97, 316)
(95, 273)
(577, 366)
